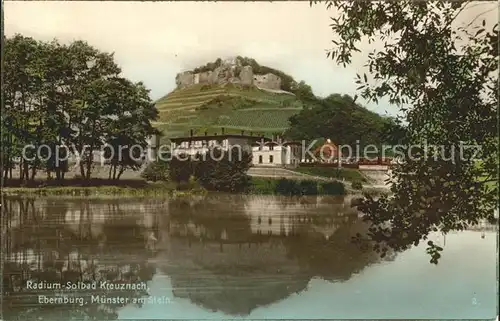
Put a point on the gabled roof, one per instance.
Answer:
(216, 137)
(268, 142)
(292, 143)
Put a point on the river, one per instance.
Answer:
(227, 257)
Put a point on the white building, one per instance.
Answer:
(192, 145)
(276, 153)
(264, 151)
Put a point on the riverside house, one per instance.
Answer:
(265, 151)
(276, 153)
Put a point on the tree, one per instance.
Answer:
(224, 171)
(20, 88)
(444, 77)
(126, 135)
(92, 105)
(57, 77)
(181, 168)
(338, 118)
(393, 132)
(216, 170)
(68, 95)
(302, 91)
(156, 171)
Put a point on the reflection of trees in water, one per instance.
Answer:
(219, 256)
(209, 217)
(256, 263)
(56, 241)
(333, 257)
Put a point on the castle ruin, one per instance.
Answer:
(230, 71)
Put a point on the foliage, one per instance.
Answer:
(215, 170)
(394, 132)
(287, 187)
(308, 187)
(181, 168)
(209, 66)
(156, 171)
(357, 185)
(444, 77)
(264, 186)
(132, 128)
(224, 171)
(339, 118)
(291, 187)
(332, 188)
(68, 95)
(302, 91)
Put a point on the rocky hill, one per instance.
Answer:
(238, 70)
(235, 94)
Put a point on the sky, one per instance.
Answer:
(153, 41)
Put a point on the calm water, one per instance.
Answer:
(229, 257)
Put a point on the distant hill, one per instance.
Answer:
(238, 95)
(235, 107)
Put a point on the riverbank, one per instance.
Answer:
(101, 188)
(341, 174)
(295, 187)
(139, 188)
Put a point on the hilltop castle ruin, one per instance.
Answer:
(229, 71)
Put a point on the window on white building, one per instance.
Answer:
(271, 159)
(260, 159)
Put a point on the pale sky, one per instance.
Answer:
(153, 41)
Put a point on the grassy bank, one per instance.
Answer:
(290, 187)
(349, 174)
(103, 188)
(98, 188)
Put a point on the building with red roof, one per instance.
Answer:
(328, 152)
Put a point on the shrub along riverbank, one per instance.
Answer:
(283, 186)
(141, 188)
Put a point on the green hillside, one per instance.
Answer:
(235, 107)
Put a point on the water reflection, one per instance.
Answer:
(234, 255)
(50, 243)
(229, 254)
